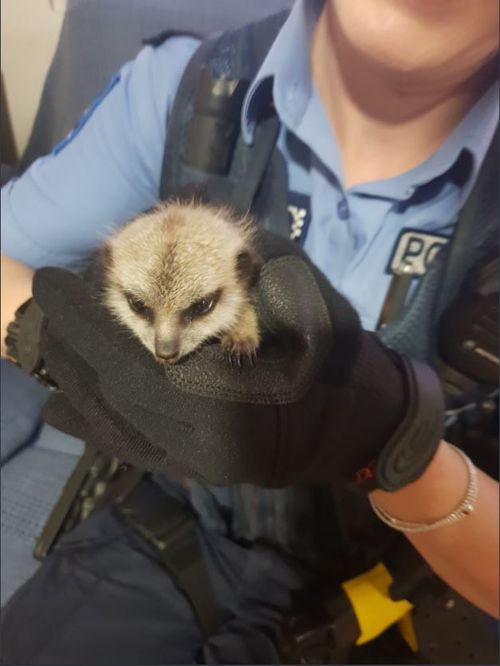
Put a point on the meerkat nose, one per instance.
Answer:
(166, 352)
(168, 360)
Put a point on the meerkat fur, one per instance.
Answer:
(180, 275)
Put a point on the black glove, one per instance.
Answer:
(325, 400)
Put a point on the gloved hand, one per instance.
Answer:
(324, 401)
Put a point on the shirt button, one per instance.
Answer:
(343, 209)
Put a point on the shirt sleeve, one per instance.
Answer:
(105, 172)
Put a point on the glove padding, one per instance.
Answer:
(322, 402)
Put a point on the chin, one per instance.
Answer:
(440, 38)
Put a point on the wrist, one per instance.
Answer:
(437, 492)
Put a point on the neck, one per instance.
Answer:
(375, 112)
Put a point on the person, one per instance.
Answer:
(351, 82)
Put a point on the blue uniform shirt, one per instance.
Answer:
(109, 169)
(105, 172)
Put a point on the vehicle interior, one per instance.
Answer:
(96, 37)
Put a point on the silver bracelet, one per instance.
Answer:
(465, 508)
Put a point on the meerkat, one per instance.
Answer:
(181, 274)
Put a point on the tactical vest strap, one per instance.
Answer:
(477, 231)
(171, 174)
(236, 55)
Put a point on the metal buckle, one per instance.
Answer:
(95, 479)
(318, 636)
(316, 645)
(160, 523)
(155, 528)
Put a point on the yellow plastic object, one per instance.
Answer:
(374, 608)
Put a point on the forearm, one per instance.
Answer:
(465, 554)
(16, 288)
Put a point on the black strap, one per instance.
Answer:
(234, 55)
(169, 526)
(65, 504)
(177, 120)
(477, 230)
(254, 164)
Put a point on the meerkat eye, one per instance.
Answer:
(138, 306)
(202, 307)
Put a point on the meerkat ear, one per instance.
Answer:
(100, 263)
(106, 256)
(248, 267)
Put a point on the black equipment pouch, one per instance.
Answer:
(214, 126)
(468, 334)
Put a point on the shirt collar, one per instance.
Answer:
(287, 64)
(473, 134)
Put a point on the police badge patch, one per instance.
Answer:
(414, 252)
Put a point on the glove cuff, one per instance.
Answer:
(24, 342)
(415, 441)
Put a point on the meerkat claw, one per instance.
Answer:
(240, 353)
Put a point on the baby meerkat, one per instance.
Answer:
(181, 274)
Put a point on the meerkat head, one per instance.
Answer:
(179, 275)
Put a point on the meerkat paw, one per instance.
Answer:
(239, 350)
(242, 341)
